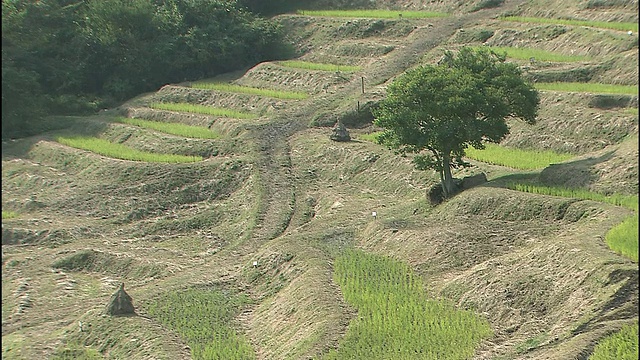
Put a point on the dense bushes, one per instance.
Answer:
(63, 56)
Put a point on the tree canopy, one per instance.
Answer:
(69, 56)
(438, 111)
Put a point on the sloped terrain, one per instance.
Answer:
(276, 192)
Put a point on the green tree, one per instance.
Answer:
(438, 111)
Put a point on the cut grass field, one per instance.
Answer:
(530, 53)
(376, 14)
(196, 132)
(233, 88)
(395, 319)
(119, 151)
(516, 158)
(621, 26)
(595, 88)
(203, 109)
(307, 65)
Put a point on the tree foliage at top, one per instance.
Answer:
(438, 111)
(64, 56)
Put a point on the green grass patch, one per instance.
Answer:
(202, 317)
(623, 239)
(538, 55)
(233, 88)
(531, 343)
(376, 14)
(632, 111)
(76, 351)
(196, 132)
(622, 26)
(307, 65)
(516, 158)
(119, 151)
(202, 109)
(9, 214)
(628, 201)
(372, 137)
(622, 345)
(588, 88)
(395, 318)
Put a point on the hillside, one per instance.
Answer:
(274, 202)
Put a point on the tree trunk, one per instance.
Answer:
(448, 186)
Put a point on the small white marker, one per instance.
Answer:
(630, 32)
(255, 264)
(374, 214)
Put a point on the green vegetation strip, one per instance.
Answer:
(628, 201)
(395, 319)
(538, 55)
(516, 158)
(622, 26)
(286, 95)
(76, 351)
(377, 14)
(202, 109)
(622, 345)
(307, 65)
(623, 239)
(202, 318)
(372, 137)
(9, 214)
(588, 88)
(196, 132)
(119, 151)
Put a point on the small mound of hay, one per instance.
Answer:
(121, 303)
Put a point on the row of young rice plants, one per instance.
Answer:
(196, 132)
(537, 54)
(622, 26)
(376, 14)
(622, 238)
(203, 109)
(120, 151)
(596, 88)
(233, 88)
(395, 319)
(308, 65)
(622, 345)
(516, 158)
(202, 317)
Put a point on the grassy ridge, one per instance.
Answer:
(119, 151)
(588, 88)
(537, 54)
(622, 345)
(378, 14)
(233, 88)
(395, 319)
(622, 26)
(202, 109)
(307, 65)
(201, 317)
(196, 132)
(516, 158)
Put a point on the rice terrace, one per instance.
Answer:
(241, 230)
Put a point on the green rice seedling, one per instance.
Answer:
(516, 158)
(196, 132)
(376, 14)
(588, 88)
(622, 345)
(395, 318)
(623, 239)
(225, 87)
(537, 54)
(202, 109)
(622, 26)
(307, 65)
(202, 318)
(9, 214)
(628, 201)
(119, 151)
